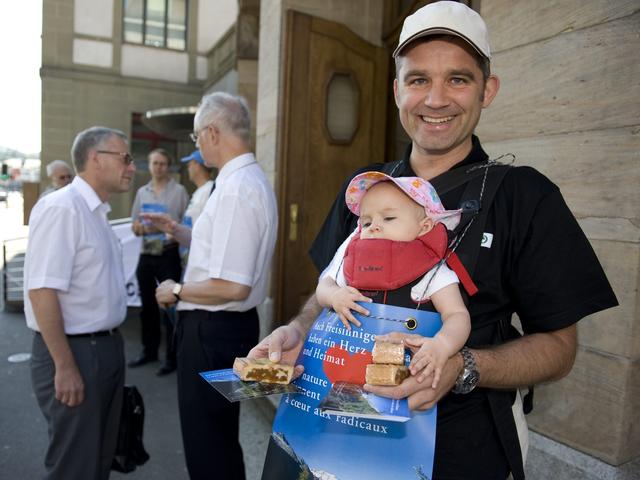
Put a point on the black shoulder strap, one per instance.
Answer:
(472, 227)
(452, 179)
(446, 181)
(500, 404)
(475, 204)
(391, 168)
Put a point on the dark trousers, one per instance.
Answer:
(82, 439)
(151, 271)
(211, 341)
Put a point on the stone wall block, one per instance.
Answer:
(566, 83)
(598, 172)
(514, 23)
(589, 409)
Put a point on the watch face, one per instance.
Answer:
(472, 379)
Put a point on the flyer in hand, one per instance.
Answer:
(332, 428)
(153, 243)
(233, 389)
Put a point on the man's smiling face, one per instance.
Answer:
(440, 92)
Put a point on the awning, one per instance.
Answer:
(173, 122)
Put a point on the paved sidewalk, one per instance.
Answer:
(23, 431)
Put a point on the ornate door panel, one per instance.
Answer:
(334, 111)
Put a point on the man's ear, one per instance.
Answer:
(214, 134)
(93, 159)
(491, 87)
(395, 90)
(426, 225)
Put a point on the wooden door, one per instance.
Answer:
(333, 118)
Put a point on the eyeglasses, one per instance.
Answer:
(194, 136)
(126, 156)
(64, 177)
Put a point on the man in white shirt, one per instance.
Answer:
(75, 299)
(227, 276)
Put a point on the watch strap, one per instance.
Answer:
(468, 367)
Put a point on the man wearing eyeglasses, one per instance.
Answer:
(60, 174)
(159, 258)
(75, 299)
(227, 275)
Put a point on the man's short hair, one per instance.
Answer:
(484, 64)
(91, 139)
(227, 112)
(164, 153)
(55, 164)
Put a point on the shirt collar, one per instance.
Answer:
(89, 195)
(477, 154)
(235, 164)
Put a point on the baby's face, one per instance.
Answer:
(388, 213)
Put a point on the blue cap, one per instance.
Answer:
(194, 156)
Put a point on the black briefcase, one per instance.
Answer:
(130, 451)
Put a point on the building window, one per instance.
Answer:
(156, 23)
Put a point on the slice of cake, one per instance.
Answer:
(381, 374)
(262, 370)
(387, 352)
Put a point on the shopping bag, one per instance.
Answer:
(130, 452)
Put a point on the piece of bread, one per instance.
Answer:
(387, 352)
(378, 374)
(262, 370)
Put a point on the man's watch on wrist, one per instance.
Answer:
(469, 376)
(177, 288)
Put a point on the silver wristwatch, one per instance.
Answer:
(469, 376)
(177, 289)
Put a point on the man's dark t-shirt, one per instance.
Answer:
(537, 264)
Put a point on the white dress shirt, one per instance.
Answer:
(234, 237)
(72, 249)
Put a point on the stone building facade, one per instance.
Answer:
(568, 106)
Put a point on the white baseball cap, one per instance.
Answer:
(448, 18)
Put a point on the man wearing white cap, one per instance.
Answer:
(534, 259)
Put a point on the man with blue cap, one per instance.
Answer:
(200, 175)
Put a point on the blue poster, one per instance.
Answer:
(334, 430)
(153, 243)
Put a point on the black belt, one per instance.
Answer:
(101, 333)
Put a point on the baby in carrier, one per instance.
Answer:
(397, 256)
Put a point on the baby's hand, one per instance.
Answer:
(344, 300)
(430, 355)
